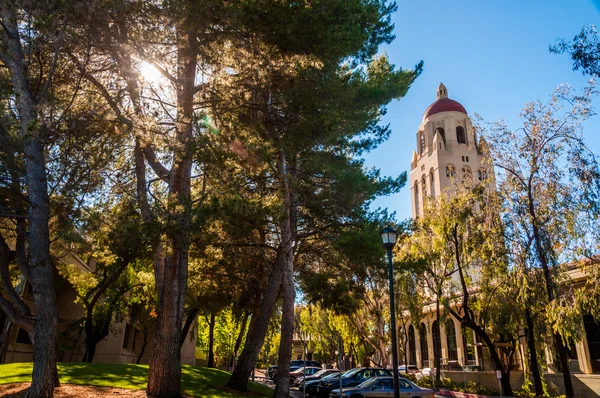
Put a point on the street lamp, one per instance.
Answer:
(389, 236)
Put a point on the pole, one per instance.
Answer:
(341, 350)
(393, 326)
(304, 373)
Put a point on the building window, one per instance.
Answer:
(466, 172)
(424, 348)
(23, 337)
(460, 135)
(450, 170)
(423, 187)
(421, 143)
(127, 339)
(467, 158)
(416, 189)
(442, 134)
(431, 183)
(451, 341)
(412, 348)
(481, 175)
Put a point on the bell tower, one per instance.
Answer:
(447, 150)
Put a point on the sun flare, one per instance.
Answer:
(149, 72)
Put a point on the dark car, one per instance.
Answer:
(382, 387)
(301, 362)
(294, 365)
(303, 372)
(319, 375)
(351, 378)
(310, 386)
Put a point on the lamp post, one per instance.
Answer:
(388, 236)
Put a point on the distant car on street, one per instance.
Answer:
(382, 387)
(319, 375)
(351, 378)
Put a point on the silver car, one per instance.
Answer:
(382, 387)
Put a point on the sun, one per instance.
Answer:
(149, 72)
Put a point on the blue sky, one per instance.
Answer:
(493, 57)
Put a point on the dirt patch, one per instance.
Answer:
(18, 390)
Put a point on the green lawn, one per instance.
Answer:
(195, 382)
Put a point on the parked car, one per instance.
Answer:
(301, 362)
(351, 378)
(302, 372)
(428, 372)
(319, 375)
(294, 365)
(382, 387)
(412, 369)
(311, 385)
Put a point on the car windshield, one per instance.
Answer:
(331, 376)
(351, 373)
(368, 383)
(321, 372)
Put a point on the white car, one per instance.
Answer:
(428, 372)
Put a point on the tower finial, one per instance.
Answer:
(442, 91)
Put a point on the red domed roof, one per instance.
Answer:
(444, 105)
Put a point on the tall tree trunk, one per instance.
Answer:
(542, 255)
(189, 320)
(533, 360)
(282, 384)
(240, 337)
(144, 344)
(211, 341)
(44, 332)
(164, 377)
(258, 327)
(437, 341)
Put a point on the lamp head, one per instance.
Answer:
(388, 237)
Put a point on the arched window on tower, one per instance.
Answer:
(481, 175)
(450, 170)
(423, 187)
(442, 134)
(466, 173)
(460, 135)
(421, 143)
(416, 193)
(431, 183)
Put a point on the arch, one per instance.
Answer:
(432, 182)
(421, 143)
(451, 340)
(461, 137)
(442, 134)
(412, 348)
(450, 171)
(423, 187)
(424, 348)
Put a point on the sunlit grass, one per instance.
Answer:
(195, 382)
